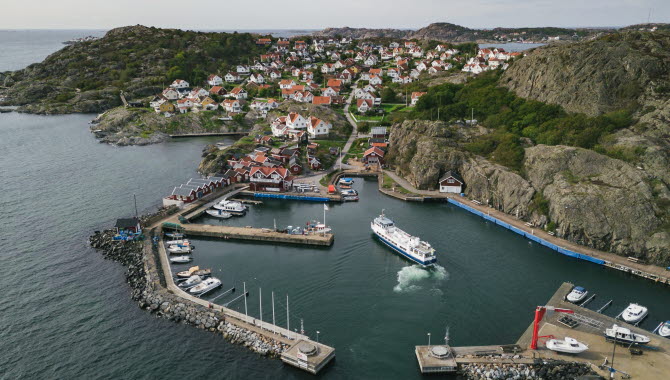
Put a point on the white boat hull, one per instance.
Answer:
(219, 214)
(664, 331)
(205, 286)
(402, 242)
(181, 259)
(567, 346)
(624, 335)
(634, 313)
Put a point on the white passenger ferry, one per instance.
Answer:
(400, 241)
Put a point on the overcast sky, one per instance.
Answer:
(317, 14)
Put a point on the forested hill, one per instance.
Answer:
(139, 60)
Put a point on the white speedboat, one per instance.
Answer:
(346, 181)
(411, 247)
(634, 313)
(568, 345)
(175, 235)
(191, 282)
(231, 207)
(181, 259)
(622, 334)
(217, 213)
(577, 294)
(177, 242)
(349, 195)
(194, 271)
(205, 286)
(179, 249)
(664, 330)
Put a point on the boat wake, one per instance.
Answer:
(413, 277)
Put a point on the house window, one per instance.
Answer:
(450, 180)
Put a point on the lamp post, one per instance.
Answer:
(317, 336)
(429, 339)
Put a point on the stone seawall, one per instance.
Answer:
(148, 289)
(559, 370)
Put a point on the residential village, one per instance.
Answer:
(344, 75)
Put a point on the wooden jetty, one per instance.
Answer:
(255, 234)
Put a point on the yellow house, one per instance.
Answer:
(166, 107)
(209, 103)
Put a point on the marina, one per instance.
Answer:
(581, 327)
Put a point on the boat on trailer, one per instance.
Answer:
(217, 213)
(577, 295)
(624, 335)
(634, 313)
(567, 345)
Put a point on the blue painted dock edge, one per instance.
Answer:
(527, 235)
(291, 197)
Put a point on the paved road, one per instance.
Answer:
(354, 131)
(404, 183)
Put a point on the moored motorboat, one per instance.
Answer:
(664, 330)
(181, 259)
(410, 247)
(315, 228)
(346, 181)
(205, 286)
(177, 242)
(191, 282)
(231, 207)
(180, 248)
(634, 313)
(577, 294)
(217, 213)
(567, 346)
(622, 334)
(194, 271)
(174, 235)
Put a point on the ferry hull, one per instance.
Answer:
(403, 253)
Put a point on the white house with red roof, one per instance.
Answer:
(170, 94)
(364, 105)
(214, 80)
(238, 93)
(416, 96)
(317, 127)
(179, 84)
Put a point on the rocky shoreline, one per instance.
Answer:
(554, 370)
(149, 291)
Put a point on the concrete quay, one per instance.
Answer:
(654, 363)
(255, 234)
(308, 355)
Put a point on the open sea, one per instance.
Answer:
(67, 313)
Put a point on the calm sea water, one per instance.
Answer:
(66, 312)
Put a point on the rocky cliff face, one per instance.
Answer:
(594, 77)
(592, 199)
(131, 126)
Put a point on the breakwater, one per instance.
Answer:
(148, 289)
(550, 369)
